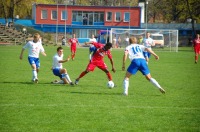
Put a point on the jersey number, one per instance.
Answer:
(136, 49)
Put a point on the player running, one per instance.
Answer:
(97, 60)
(35, 47)
(138, 62)
(72, 42)
(196, 44)
(148, 42)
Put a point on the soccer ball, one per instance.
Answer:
(110, 84)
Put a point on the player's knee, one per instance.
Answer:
(148, 77)
(63, 71)
(106, 71)
(86, 71)
(126, 78)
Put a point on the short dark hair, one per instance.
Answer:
(59, 48)
(109, 44)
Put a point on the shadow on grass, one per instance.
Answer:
(26, 83)
(19, 82)
(96, 93)
(43, 83)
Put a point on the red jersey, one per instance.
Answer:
(100, 52)
(73, 42)
(196, 42)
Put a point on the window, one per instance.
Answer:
(44, 14)
(77, 16)
(118, 16)
(98, 17)
(54, 15)
(64, 15)
(109, 16)
(101, 17)
(126, 17)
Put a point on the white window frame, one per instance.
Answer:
(116, 16)
(107, 15)
(44, 14)
(52, 17)
(62, 15)
(126, 19)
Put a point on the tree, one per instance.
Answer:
(173, 10)
(194, 12)
(3, 9)
(11, 8)
(166, 11)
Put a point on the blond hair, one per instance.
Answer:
(36, 35)
(132, 40)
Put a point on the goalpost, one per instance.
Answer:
(165, 40)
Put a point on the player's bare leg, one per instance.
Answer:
(73, 55)
(80, 76)
(196, 58)
(109, 76)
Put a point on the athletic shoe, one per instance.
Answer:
(36, 80)
(55, 81)
(76, 82)
(125, 94)
(71, 83)
(33, 80)
(162, 90)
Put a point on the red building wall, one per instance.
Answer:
(134, 12)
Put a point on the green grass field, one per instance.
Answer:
(91, 106)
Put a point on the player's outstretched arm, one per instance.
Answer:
(79, 44)
(43, 53)
(112, 63)
(86, 43)
(69, 43)
(62, 61)
(124, 61)
(153, 53)
(21, 54)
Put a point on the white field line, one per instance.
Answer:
(85, 106)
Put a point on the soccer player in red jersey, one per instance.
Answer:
(97, 60)
(72, 42)
(196, 44)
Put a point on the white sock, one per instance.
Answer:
(34, 72)
(67, 77)
(60, 82)
(155, 83)
(125, 86)
(90, 56)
